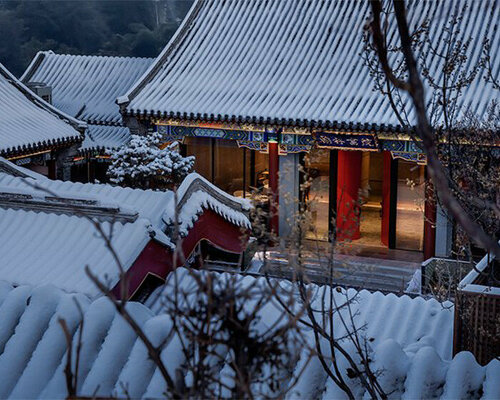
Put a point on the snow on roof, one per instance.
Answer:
(412, 351)
(195, 194)
(148, 203)
(156, 206)
(28, 123)
(86, 86)
(45, 237)
(467, 283)
(48, 239)
(47, 247)
(32, 344)
(100, 137)
(40, 201)
(290, 62)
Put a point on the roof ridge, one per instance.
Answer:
(38, 101)
(74, 206)
(178, 36)
(53, 53)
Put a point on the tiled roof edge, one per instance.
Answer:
(24, 149)
(38, 101)
(178, 36)
(34, 65)
(341, 126)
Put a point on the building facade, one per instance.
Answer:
(48, 232)
(267, 94)
(86, 87)
(34, 134)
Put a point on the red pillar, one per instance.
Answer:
(429, 222)
(348, 183)
(386, 197)
(273, 186)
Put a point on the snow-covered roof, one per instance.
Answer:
(196, 194)
(412, 341)
(468, 283)
(45, 247)
(100, 137)
(292, 62)
(28, 123)
(86, 86)
(45, 236)
(149, 204)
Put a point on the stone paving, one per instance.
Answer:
(364, 267)
(347, 270)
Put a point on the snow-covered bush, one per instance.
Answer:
(142, 164)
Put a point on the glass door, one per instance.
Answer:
(410, 206)
(371, 198)
(316, 192)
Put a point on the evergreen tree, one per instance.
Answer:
(142, 164)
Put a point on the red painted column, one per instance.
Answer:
(386, 197)
(273, 186)
(348, 184)
(429, 222)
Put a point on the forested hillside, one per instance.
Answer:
(104, 27)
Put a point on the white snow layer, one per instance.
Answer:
(202, 199)
(411, 348)
(42, 246)
(28, 122)
(296, 60)
(467, 283)
(86, 85)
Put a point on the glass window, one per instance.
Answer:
(229, 165)
(410, 206)
(257, 171)
(201, 148)
(237, 171)
(316, 194)
(371, 198)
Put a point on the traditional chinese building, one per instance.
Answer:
(33, 133)
(254, 89)
(48, 231)
(86, 87)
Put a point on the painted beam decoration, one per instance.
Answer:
(249, 139)
(405, 150)
(291, 142)
(39, 159)
(347, 141)
(295, 143)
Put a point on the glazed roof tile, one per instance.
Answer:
(28, 123)
(411, 338)
(86, 86)
(293, 62)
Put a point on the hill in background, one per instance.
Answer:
(105, 27)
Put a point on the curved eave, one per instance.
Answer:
(337, 126)
(95, 151)
(30, 149)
